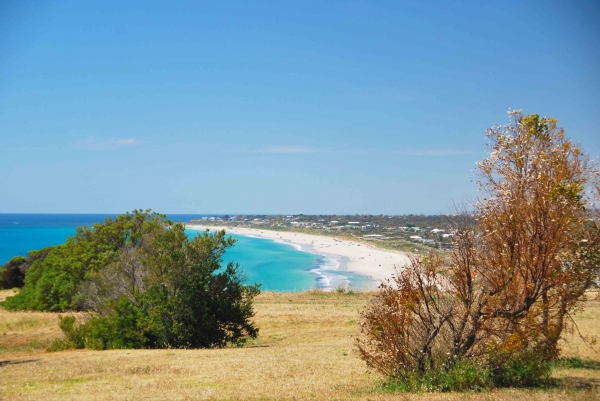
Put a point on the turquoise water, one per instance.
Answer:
(277, 266)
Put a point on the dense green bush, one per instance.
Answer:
(55, 275)
(146, 284)
(118, 330)
(525, 369)
(12, 274)
(456, 375)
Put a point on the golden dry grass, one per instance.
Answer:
(305, 351)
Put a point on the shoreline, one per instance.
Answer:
(366, 260)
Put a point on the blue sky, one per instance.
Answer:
(278, 107)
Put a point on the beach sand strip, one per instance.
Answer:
(377, 264)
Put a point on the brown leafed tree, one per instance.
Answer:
(538, 231)
(514, 279)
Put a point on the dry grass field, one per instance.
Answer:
(304, 351)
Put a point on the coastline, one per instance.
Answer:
(366, 260)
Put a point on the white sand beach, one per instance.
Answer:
(361, 258)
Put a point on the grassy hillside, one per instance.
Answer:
(304, 351)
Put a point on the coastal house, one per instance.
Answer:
(299, 223)
(372, 236)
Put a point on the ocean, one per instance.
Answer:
(277, 266)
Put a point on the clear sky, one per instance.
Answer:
(278, 107)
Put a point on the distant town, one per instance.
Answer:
(410, 232)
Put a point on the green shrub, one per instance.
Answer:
(147, 284)
(72, 338)
(56, 274)
(524, 369)
(528, 368)
(117, 331)
(172, 293)
(12, 273)
(456, 375)
(463, 375)
(50, 282)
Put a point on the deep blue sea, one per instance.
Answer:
(277, 266)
